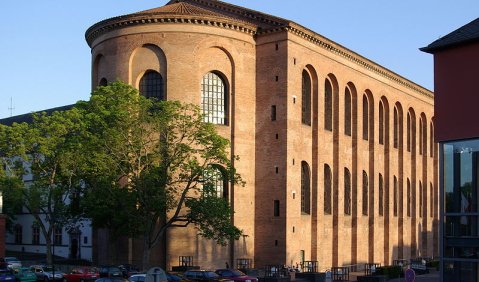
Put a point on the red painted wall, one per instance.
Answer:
(2, 235)
(456, 90)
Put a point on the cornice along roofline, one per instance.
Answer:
(170, 13)
(251, 22)
(352, 56)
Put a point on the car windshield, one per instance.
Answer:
(48, 269)
(11, 259)
(211, 274)
(90, 270)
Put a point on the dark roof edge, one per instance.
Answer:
(433, 49)
(29, 116)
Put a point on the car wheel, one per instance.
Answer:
(81, 280)
(65, 280)
(45, 279)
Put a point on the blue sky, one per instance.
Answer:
(45, 61)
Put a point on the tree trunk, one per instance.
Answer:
(48, 245)
(146, 252)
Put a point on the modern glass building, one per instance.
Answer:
(460, 214)
(456, 104)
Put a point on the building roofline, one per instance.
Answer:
(28, 118)
(466, 34)
(252, 22)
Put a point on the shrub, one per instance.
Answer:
(390, 271)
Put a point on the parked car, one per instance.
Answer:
(109, 271)
(24, 274)
(128, 270)
(82, 274)
(137, 277)
(204, 276)
(45, 273)
(6, 274)
(175, 277)
(11, 261)
(235, 275)
(112, 279)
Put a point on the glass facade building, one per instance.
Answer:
(460, 214)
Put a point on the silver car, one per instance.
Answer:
(12, 262)
(45, 273)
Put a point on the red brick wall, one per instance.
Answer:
(456, 74)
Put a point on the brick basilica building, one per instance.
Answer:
(337, 151)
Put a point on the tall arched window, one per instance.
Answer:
(347, 192)
(305, 189)
(396, 128)
(408, 198)
(328, 105)
(365, 193)
(420, 199)
(213, 99)
(395, 205)
(306, 99)
(103, 82)
(431, 140)
(214, 183)
(409, 132)
(381, 122)
(421, 139)
(151, 85)
(431, 200)
(327, 189)
(365, 118)
(381, 195)
(347, 112)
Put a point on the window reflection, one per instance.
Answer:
(461, 218)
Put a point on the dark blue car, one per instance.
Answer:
(6, 275)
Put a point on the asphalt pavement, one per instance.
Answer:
(433, 276)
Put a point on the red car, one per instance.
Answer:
(82, 274)
(235, 275)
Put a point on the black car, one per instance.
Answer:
(109, 271)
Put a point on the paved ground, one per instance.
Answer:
(433, 276)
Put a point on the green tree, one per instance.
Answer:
(154, 165)
(47, 151)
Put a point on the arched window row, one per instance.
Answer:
(214, 94)
(368, 117)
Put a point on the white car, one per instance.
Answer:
(12, 262)
(137, 277)
(45, 273)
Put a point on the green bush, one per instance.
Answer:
(390, 271)
(433, 263)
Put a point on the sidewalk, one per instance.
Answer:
(433, 276)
